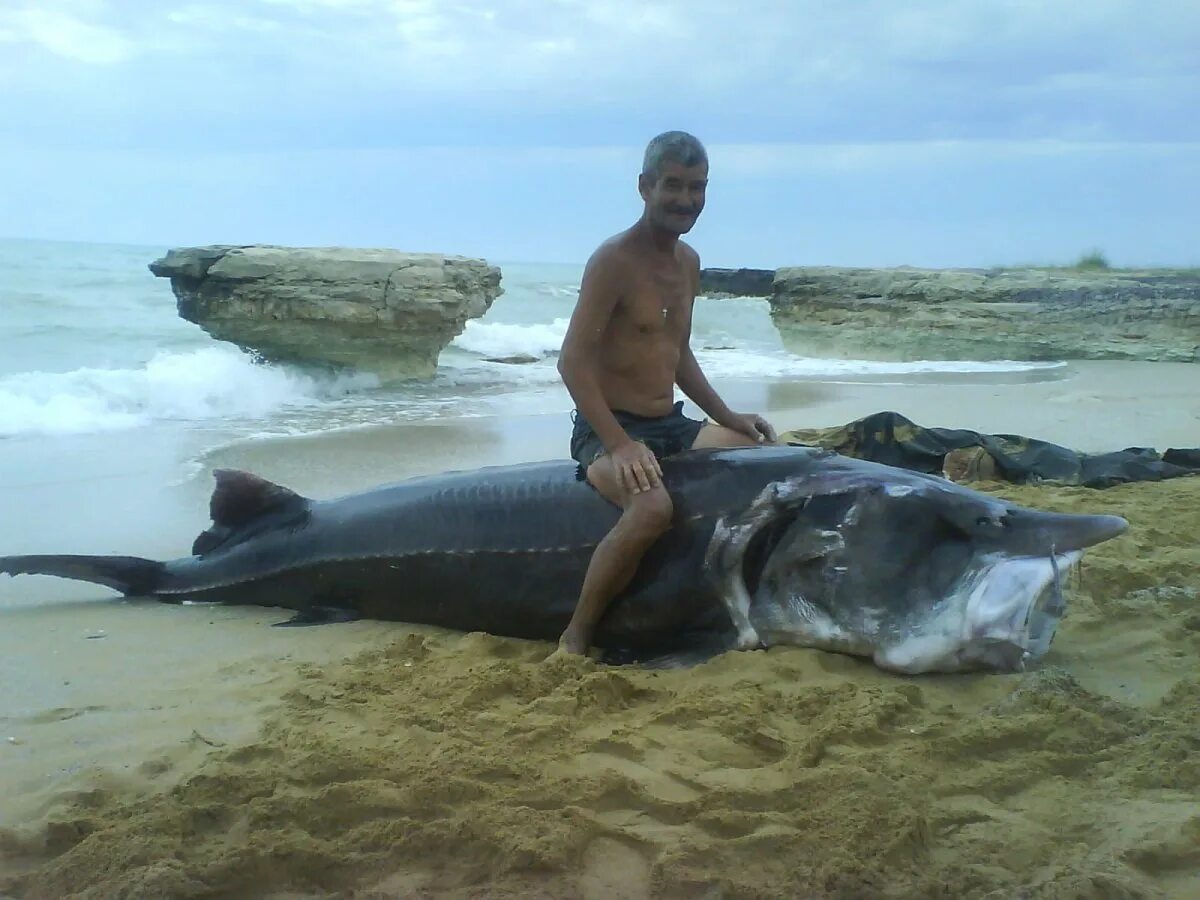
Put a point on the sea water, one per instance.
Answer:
(91, 342)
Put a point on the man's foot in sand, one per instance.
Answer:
(574, 642)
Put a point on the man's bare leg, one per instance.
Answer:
(646, 515)
(712, 436)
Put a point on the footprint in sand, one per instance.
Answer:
(613, 870)
(61, 714)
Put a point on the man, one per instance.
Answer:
(627, 346)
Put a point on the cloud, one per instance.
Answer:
(790, 159)
(66, 36)
(196, 16)
(430, 71)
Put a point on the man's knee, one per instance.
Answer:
(648, 514)
(644, 516)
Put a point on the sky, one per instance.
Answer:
(839, 132)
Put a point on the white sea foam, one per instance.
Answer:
(499, 340)
(740, 363)
(216, 382)
(731, 341)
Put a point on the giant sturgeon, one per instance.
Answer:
(770, 546)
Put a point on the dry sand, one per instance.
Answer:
(197, 752)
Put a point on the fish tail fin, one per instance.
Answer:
(131, 575)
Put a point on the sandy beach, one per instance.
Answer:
(152, 751)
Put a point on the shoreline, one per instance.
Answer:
(1151, 403)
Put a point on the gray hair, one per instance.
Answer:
(672, 146)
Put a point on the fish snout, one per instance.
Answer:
(1109, 527)
(1021, 531)
(1067, 532)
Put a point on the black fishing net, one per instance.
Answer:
(890, 438)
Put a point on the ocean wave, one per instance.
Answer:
(207, 384)
(500, 340)
(726, 345)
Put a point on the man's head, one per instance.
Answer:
(673, 180)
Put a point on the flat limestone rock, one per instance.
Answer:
(1022, 314)
(375, 310)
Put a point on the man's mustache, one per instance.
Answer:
(679, 211)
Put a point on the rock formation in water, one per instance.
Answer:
(736, 282)
(381, 311)
(1026, 314)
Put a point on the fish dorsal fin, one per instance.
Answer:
(240, 498)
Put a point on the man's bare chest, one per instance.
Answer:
(658, 301)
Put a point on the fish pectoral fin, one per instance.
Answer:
(705, 647)
(683, 659)
(319, 615)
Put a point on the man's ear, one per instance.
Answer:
(645, 185)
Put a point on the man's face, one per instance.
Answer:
(675, 199)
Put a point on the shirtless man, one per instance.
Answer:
(626, 348)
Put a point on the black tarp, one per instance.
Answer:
(890, 438)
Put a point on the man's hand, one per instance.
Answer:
(637, 467)
(753, 426)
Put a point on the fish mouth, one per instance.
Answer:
(1001, 617)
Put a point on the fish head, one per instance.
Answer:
(916, 572)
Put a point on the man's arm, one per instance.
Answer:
(693, 382)
(579, 362)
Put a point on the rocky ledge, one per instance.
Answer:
(736, 282)
(382, 311)
(1028, 314)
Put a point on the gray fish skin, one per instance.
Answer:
(770, 546)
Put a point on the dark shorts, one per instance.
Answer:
(664, 435)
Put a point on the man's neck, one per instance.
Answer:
(658, 239)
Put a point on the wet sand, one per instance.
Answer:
(194, 751)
